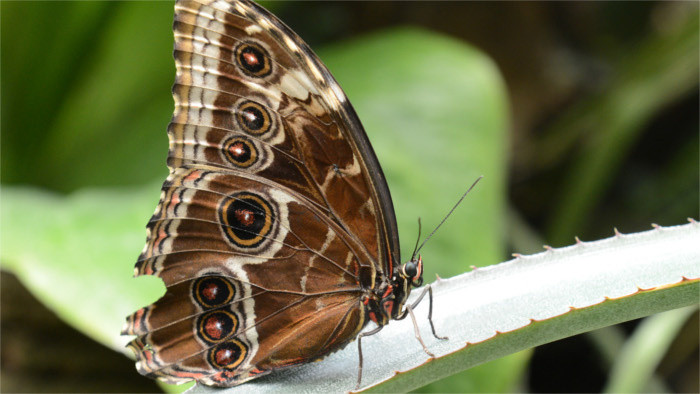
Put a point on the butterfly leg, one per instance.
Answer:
(359, 350)
(429, 291)
(409, 308)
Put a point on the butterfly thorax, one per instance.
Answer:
(386, 301)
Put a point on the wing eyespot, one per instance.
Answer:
(212, 291)
(240, 151)
(253, 118)
(253, 60)
(228, 355)
(247, 219)
(217, 325)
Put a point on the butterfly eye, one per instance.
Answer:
(409, 269)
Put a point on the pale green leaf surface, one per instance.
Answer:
(530, 300)
(77, 254)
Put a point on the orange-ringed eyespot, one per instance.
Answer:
(228, 355)
(246, 219)
(216, 326)
(240, 151)
(253, 118)
(253, 59)
(212, 291)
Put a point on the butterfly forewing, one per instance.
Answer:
(275, 219)
(251, 95)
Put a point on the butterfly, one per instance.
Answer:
(275, 232)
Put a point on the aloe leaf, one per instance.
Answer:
(502, 309)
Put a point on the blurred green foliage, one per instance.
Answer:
(85, 90)
(82, 97)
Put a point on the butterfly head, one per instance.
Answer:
(412, 271)
(388, 301)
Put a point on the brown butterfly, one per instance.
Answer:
(275, 232)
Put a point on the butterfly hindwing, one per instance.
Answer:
(258, 243)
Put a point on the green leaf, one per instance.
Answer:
(42, 59)
(76, 254)
(85, 99)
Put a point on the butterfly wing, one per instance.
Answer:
(275, 217)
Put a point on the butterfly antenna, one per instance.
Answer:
(448, 214)
(415, 248)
